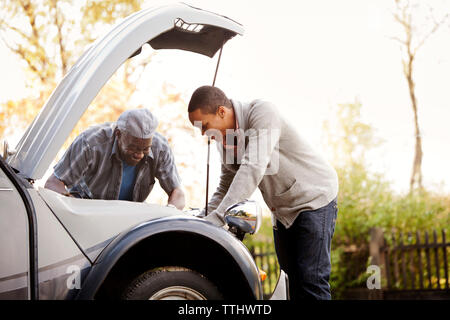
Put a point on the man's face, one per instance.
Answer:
(222, 120)
(132, 149)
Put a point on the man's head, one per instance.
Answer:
(134, 134)
(211, 107)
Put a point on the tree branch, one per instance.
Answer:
(4, 25)
(59, 24)
(403, 42)
(21, 53)
(29, 11)
(437, 25)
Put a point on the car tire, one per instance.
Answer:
(167, 284)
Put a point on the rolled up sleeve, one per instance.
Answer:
(74, 163)
(167, 173)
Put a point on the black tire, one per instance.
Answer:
(182, 284)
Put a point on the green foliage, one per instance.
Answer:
(367, 200)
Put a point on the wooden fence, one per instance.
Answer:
(412, 265)
(266, 259)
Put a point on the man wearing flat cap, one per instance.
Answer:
(119, 161)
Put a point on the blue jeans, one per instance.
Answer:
(303, 251)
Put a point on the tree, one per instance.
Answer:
(406, 14)
(349, 137)
(49, 35)
(46, 36)
(366, 199)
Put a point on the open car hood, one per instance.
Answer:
(170, 27)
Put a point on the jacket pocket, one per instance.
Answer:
(283, 199)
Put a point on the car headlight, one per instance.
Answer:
(244, 216)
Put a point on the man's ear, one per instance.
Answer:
(221, 111)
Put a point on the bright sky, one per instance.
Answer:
(309, 56)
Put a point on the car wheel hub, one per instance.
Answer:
(177, 293)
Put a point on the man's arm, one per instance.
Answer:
(71, 168)
(169, 180)
(176, 198)
(53, 183)
(226, 177)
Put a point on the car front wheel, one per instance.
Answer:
(171, 284)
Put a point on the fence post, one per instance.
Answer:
(376, 251)
(444, 247)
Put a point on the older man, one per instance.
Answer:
(119, 161)
(297, 184)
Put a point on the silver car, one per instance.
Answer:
(57, 247)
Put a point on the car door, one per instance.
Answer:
(28, 226)
(14, 242)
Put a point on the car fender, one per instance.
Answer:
(129, 238)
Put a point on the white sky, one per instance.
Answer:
(309, 56)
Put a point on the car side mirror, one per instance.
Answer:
(244, 217)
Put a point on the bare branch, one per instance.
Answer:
(29, 11)
(5, 25)
(437, 25)
(6, 43)
(398, 40)
(59, 24)
(22, 54)
(400, 20)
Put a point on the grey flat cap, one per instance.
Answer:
(140, 123)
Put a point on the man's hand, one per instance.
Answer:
(176, 198)
(215, 219)
(53, 183)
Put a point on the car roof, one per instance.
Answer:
(177, 26)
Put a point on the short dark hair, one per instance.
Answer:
(208, 99)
